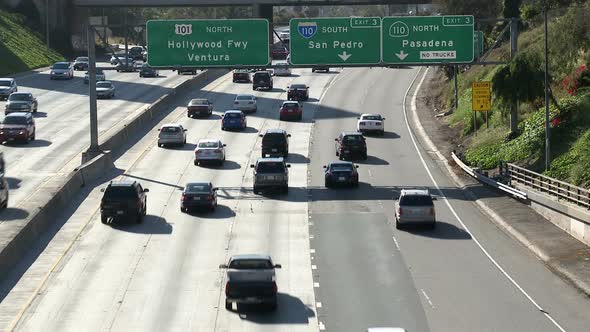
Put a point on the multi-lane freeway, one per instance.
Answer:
(344, 265)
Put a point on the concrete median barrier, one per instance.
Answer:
(21, 227)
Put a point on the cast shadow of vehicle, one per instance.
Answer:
(13, 183)
(227, 165)
(274, 90)
(221, 212)
(39, 114)
(311, 100)
(37, 143)
(386, 135)
(443, 231)
(212, 117)
(247, 130)
(290, 310)
(371, 160)
(183, 147)
(11, 213)
(296, 158)
(150, 225)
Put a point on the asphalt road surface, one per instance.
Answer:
(345, 268)
(63, 123)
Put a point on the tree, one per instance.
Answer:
(477, 8)
(511, 8)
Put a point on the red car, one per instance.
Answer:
(279, 53)
(17, 126)
(291, 110)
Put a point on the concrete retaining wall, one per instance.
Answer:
(572, 219)
(23, 226)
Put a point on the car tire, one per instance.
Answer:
(432, 225)
(382, 133)
(182, 210)
(365, 156)
(327, 183)
(313, 70)
(397, 224)
(196, 163)
(33, 137)
(256, 191)
(228, 305)
(104, 219)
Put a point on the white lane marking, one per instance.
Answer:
(311, 237)
(316, 285)
(427, 298)
(312, 251)
(318, 304)
(314, 267)
(447, 202)
(396, 244)
(322, 326)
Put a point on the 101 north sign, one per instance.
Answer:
(208, 43)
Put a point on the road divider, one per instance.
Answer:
(21, 227)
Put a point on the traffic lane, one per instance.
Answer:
(151, 165)
(277, 224)
(353, 245)
(453, 293)
(60, 135)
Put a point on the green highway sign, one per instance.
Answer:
(427, 39)
(208, 43)
(478, 43)
(335, 41)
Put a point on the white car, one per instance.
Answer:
(371, 123)
(282, 69)
(245, 103)
(172, 133)
(210, 150)
(285, 35)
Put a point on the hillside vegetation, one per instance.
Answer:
(22, 49)
(522, 80)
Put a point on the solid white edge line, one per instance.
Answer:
(440, 193)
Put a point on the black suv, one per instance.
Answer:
(350, 145)
(123, 200)
(262, 79)
(275, 143)
(298, 92)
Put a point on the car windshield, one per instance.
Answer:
(82, 59)
(372, 117)
(291, 106)
(416, 200)
(120, 192)
(199, 102)
(61, 66)
(274, 138)
(298, 86)
(245, 97)
(208, 145)
(341, 167)
(4, 83)
(19, 96)
(15, 120)
(232, 115)
(271, 167)
(170, 129)
(282, 66)
(352, 139)
(103, 85)
(250, 264)
(198, 188)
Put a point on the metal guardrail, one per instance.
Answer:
(482, 178)
(562, 190)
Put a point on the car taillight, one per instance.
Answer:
(210, 197)
(431, 211)
(378, 123)
(250, 102)
(399, 211)
(274, 287)
(227, 288)
(291, 90)
(236, 102)
(183, 197)
(217, 150)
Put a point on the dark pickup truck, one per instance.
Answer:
(250, 280)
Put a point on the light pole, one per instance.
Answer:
(547, 127)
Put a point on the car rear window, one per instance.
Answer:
(291, 106)
(116, 192)
(341, 168)
(372, 117)
(208, 145)
(170, 130)
(298, 86)
(273, 138)
(61, 66)
(82, 59)
(18, 96)
(416, 200)
(4, 83)
(271, 167)
(261, 76)
(15, 120)
(352, 139)
(233, 115)
(244, 97)
(198, 188)
(250, 264)
(103, 85)
(195, 102)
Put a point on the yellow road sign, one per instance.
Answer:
(481, 96)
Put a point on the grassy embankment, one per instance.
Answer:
(22, 49)
(570, 134)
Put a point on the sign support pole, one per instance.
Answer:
(93, 149)
(547, 128)
(456, 69)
